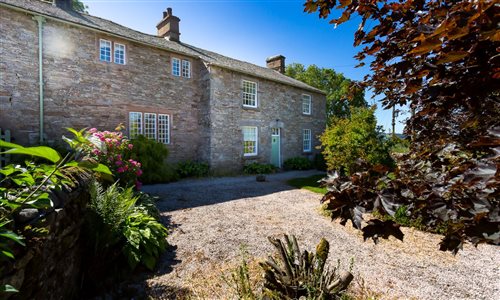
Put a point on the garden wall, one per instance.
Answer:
(50, 266)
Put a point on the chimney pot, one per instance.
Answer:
(169, 26)
(276, 63)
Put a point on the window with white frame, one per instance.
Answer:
(306, 104)
(176, 67)
(119, 53)
(105, 50)
(306, 140)
(163, 128)
(250, 143)
(249, 93)
(134, 124)
(151, 125)
(186, 68)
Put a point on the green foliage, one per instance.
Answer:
(152, 155)
(400, 146)
(292, 274)
(320, 162)
(299, 274)
(121, 219)
(145, 239)
(257, 168)
(311, 183)
(298, 163)
(448, 74)
(240, 282)
(340, 96)
(347, 140)
(80, 7)
(192, 169)
(28, 185)
(110, 148)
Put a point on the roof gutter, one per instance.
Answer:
(40, 20)
(48, 17)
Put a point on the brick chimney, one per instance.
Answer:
(64, 4)
(276, 63)
(169, 26)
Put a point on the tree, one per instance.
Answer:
(339, 95)
(347, 140)
(441, 58)
(80, 7)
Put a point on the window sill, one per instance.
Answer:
(250, 156)
(250, 108)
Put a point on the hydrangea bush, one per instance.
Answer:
(113, 149)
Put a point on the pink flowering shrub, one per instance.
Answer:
(113, 149)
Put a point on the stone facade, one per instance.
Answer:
(279, 106)
(206, 111)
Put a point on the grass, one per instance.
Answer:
(309, 183)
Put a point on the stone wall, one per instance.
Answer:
(279, 105)
(50, 266)
(82, 91)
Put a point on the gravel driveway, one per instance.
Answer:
(210, 219)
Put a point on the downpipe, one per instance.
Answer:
(40, 20)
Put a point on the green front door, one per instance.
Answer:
(275, 147)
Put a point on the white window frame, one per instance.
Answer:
(163, 135)
(306, 104)
(253, 95)
(101, 41)
(124, 53)
(306, 140)
(186, 68)
(256, 147)
(176, 61)
(149, 128)
(130, 124)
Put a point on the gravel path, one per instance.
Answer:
(210, 219)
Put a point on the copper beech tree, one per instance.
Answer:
(443, 59)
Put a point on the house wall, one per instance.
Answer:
(279, 105)
(81, 91)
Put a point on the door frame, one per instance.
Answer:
(279, 144)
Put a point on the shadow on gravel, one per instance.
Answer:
(194, 193)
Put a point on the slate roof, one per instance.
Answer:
(96, 23)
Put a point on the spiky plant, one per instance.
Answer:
(299, 274)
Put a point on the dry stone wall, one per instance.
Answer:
(50, 266)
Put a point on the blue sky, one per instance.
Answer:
(250, 30)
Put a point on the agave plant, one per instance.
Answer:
(299, 274)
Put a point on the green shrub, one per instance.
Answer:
(347, 140)
(297, 163)
(256, 168)
(320, 162)
(192, 169)
(118, 221)
(152, 155)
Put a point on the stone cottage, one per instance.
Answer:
(60, 68)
